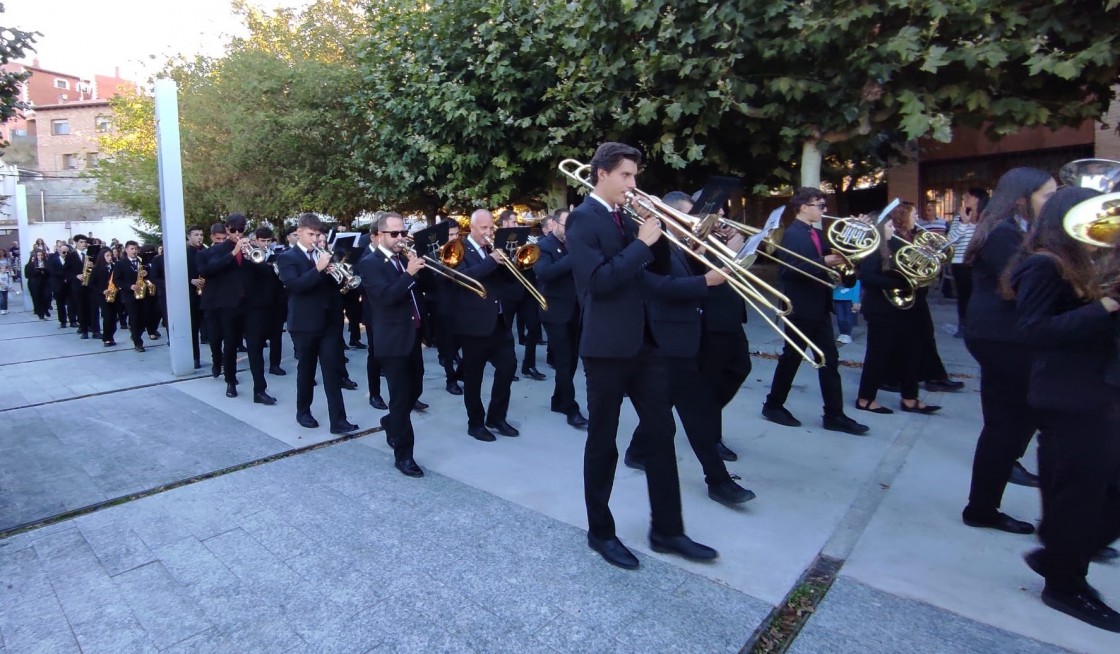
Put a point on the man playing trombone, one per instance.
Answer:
(804, 249)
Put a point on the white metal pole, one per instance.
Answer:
(25, 242)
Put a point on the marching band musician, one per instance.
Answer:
(390, 283)
(60, 285)
(81, 299)
(443, 315)
(275, 305)
(812, 314)
(210, 316)
(561, 321)
(609, 258)
(483, 327)
(523, 308)
(125, 276)
(368, 244)
(194, 247)
(99, 283)
(315, 323)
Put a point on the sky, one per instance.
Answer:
(87, 37)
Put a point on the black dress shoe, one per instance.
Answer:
(1000, 521)
(633, 462)
(533, 373)
(927, 409)
(197, 364)
(216, 370)
(779, 415)
(845, 424)
(1020, 476)
(502, 427)
(1085, 605)
(944, 386)
(516, 378)
(613, 552)
(729, 493)
(277, 370)
(138, 348)
(420, 406)
(879, 409)
(343, 427)
(241, 348)
(110, 343)
(682, 546)
(725, 453)
(155, 337)
(454, 388)
(231, 390)
(408, 467)
(85, 336)
(577, 420)
(306, 420)
(97, 335)
(376, 402)
(349, 384)
(1106, 555)
(481, 434)
(263, 398)
(359, 346)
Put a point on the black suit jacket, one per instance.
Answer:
(675, 307)
(811, 301)
(475, 316)
(555, 281)
(56, 269)
(228, 284)
(874, 281)
(99, 279)
(1074, 341)
(608, 268)
(73, 268)
(124, 276)
(990, 317)
(314, 301)
(388, 294)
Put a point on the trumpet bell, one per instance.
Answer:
(1099, 174)
(452, 253)
(1095, 221)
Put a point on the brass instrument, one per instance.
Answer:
(1095, 221)
(451, 255)
(919, 264)
(145, 288)
(524, 257)
(87, 270)
(1099, 174)
(342, 273)
(252, 252)
(201, 285)
(111, 290)
(697, 231)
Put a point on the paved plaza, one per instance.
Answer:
(120, 538)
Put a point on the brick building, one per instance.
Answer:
(67, 134)
(48, 88)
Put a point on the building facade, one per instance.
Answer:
(68, 135)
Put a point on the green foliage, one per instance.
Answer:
(14, 44)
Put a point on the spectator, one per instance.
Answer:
(845, 303)
(5, 284)
(960, 235)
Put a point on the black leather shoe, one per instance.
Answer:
(138, 348)
(376, 402)
(349, 384)
(927, 409)
(779, 415)
(1036, 560)
(879, 409)
(277, 370)
(85, 336)
(1085, 605)
(633, 462)
(110, 343)
(408, 467)
(577, 420)
(725, 452)
(682, 546)
(729, 493)
(454, 388)
(231, 390)
(241, 348)
(845, 424)
(613, 552)
(1106, 555)
(97, 335)
(420, 406)
(344, 427)
(216, 370)
(306, 420)
(358, 345)
(263, 398)
(502, 427)
(481, 434)
(197, 364)
(944, 386)
(1001, 522)
(533, 373)
(1020, 476)
(516, 378)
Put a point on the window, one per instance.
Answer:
(92, 159)
(62, 84)
(60, 127)
(103, 123)
(19, 132)
(70, 162)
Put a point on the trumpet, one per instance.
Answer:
(342, 273)
(524, 257)
(727, 263)
(252, 252)
(451, 255)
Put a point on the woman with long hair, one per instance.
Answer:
(99, 282)
(991, 338)
(891, 330)
(38, 283)
(1069, 322)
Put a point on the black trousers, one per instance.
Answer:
(320, 349)
(962, 279)
(644, 379)
(255, 321)
(725, 362)
(930, 367)
(373, 368)
(139, 313)
(352, 307)
(1079, 470)
(232, 328)
(699, 413)
(403, 375)
(563, 338)
(890, 350)
(274, 333)
(40, 295)
(497, 348)
(1009, 421)
(443, 328)
(62, 304)
(196, 323)
(820, 333)
(212, 318)
(108, 319)
(83, 308)
(529, 321)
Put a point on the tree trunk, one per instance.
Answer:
(556, 197)
(811, 163)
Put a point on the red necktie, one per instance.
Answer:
(237, 255)
(618, 222)
(816, 241)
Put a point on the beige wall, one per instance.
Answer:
(1106, 138)
(902, 182)
(80, 142)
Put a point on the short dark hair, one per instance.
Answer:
(383, 221)
(81, 237)
(217, 228)
(192, 228)
(677, 199)
(310, 221)
(128, 243)
(264, 231)
(236, 221)
(805, 195)
(978, 193)
(609, 155)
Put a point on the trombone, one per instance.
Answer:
(524, 257)
(698, 233)
(450, 256)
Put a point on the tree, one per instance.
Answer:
(14, 44)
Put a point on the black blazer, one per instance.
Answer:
(674, 309)
(811, 301)
(475, 316)
(555, 281)
(73, 268)
(32, 271)
(874, 280)
(99, 279)
(124, 276)
(314, 301)
(56, 268)
(388, 293)
(990, 317)
(609, 272)
(1074, 341)
(228, 285)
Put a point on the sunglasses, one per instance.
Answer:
(396, 234)
(234, 231)
(819, 205)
